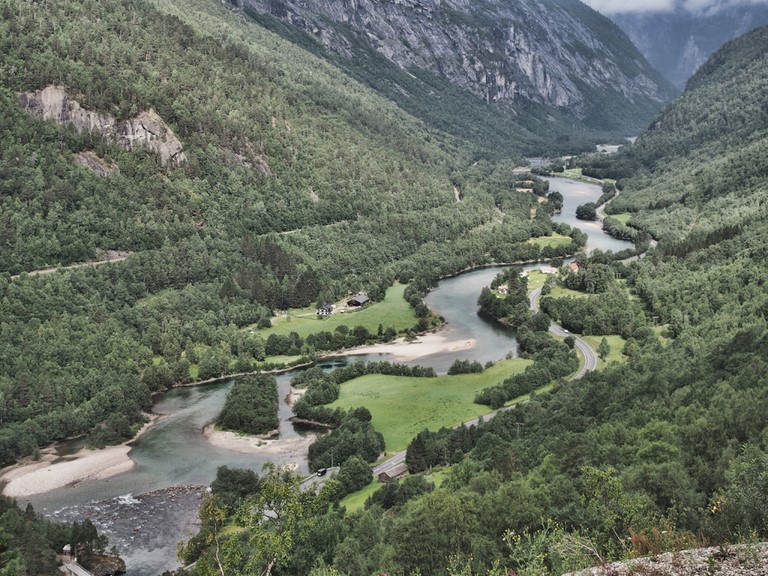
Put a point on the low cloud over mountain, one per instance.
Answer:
(610, 7)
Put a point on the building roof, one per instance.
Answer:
(359, 299)
(395, 472)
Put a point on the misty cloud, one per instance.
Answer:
(609, 7)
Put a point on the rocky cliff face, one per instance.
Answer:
(551, 52)
(678, 43)
(147, 129)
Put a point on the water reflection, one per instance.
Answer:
(574, 194)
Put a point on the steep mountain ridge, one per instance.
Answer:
(700, 166)
(559, 54)
(677, 43)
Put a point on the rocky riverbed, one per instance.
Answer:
(144, 528)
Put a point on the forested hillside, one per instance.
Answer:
(663, 452)
(700, 167)
(297, 185)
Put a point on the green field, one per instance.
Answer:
(536, 279)
(356, 500)
(280, 359)
(615, 342)
(623, 218)
(555, 241)
(571, 172)
(393, 311)
(402, 407)
(561, 292)
(575, 174)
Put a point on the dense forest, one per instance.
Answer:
(251, 405)
(664, 451)
(300, 185)
(29, 543)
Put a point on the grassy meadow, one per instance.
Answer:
(615, 342)
(402, 407)
(623, 218)
(554, 241)
(393, 311)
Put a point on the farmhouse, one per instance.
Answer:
(359, 300)
(326, 310)
(394, 473)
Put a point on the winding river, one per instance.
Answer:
(173, 452)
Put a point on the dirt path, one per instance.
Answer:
(110, 256)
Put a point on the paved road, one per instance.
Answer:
(601, 215)
(317, 481)
(590, 364)
(590, 358)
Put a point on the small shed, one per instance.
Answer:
(359, 300)
(574, 267)
(394, 473)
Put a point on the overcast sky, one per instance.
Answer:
(622, 6)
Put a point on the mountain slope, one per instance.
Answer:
(677, 43)
(296, 184)
(703, 157)
(529, 58)
(662, 450)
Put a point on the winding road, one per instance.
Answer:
(590, 364)
(590, 358)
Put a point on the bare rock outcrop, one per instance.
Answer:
(103, 565)
(96, 164)
(146, 129)
(542, 52)
(737, 560)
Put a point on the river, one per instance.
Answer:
(173, 452)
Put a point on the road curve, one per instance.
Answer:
(590, 358)
(590, 364)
